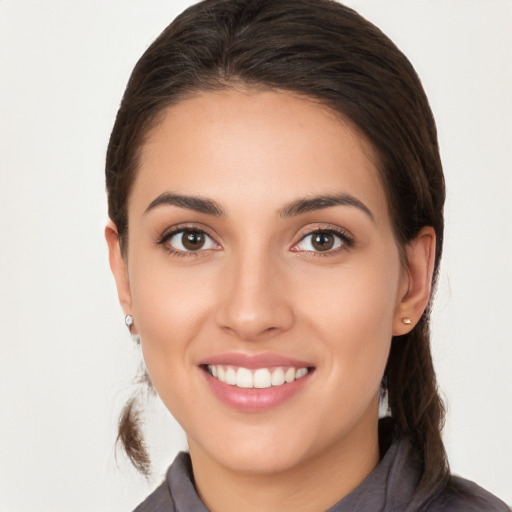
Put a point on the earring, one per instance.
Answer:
(128, 320)
(406, 320)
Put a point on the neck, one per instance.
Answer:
(336, 472)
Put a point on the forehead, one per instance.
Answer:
(240, 146)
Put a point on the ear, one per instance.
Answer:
(118, 267)
(417, 282)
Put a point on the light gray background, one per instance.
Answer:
(66, 359)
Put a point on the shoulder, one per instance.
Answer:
(158, 501)
(177, 492)
(461, 495)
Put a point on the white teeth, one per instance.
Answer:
(289, 376)
(260, 378)
(301, 372)
(278, 377)
(244, 378)
(231, 376)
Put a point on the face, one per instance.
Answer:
(263, 277)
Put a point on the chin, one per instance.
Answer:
(258, 450)
(260, 461)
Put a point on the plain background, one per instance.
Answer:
(66, 360)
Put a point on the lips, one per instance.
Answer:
(255, 382)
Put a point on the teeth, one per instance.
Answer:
(231, 377)
(260, 378)
(289, 376)
(301, 372)
(278, 377)
(243, 378)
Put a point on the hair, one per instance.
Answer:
(327, 52)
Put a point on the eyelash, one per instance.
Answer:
(168, 235)
(347, 242)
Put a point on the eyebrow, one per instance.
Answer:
(314, 203)
(297, 207)
(197, 204)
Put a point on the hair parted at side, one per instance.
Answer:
(327, 52)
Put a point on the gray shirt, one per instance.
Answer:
(391, 487)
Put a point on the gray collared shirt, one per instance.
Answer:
(391, 487)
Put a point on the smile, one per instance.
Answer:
(259, 378)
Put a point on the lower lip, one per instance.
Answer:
(255, 399)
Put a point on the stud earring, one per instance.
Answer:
(406, 320)
(128, 320)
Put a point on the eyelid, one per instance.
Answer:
(172, 231)
(184, 226)
(343, 234)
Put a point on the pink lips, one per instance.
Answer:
(253, 361)
(254, 399)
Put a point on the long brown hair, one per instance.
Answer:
(329, 53)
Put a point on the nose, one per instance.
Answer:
(256, 303)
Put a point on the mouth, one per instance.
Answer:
(256, 382)
(256, 378)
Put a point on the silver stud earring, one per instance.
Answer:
(128, 320)
(406, 320)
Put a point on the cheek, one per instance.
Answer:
(359, 295)
(353, 311)
(169, 309)
(166, 298)
(168, 322)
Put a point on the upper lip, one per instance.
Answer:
(254, 361)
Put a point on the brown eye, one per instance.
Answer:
(193, 240)
(189, 240)
(322, 241)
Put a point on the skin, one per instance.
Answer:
(259, 286)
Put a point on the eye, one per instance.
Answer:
(322, 241)
(189, 240)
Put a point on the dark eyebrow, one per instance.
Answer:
(197, 204)
(310, 204)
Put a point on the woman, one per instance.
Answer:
(276, 196)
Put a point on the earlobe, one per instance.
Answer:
(118, 267)
(421, 258)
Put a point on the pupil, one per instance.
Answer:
(192, 240)
(323, 241)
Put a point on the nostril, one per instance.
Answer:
(253, 310)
